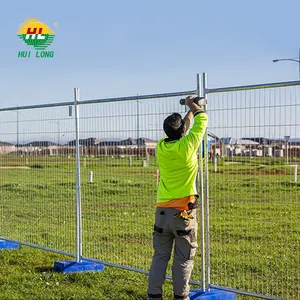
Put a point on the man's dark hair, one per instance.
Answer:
(173, 126)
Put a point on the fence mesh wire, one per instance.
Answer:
(253, 189)
(37, 177)
(119, 205)
(254, 195)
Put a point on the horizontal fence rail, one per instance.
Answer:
(253, 87)
(115, 99)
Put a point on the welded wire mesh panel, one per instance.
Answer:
(118, 207)
(37, 177)
(254, 192)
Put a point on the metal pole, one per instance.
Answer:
(207, 233)
(201, 193)
(91, 177)
(286, 138)
(299, 64)
(138, 128)
(78, 183)
(58, 134)
(17, 131)
(287, 152)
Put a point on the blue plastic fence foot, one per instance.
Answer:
(71, 266)
(213, 294)
(8, 245)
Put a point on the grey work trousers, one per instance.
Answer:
(183, 234)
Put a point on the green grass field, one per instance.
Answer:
(254, 217)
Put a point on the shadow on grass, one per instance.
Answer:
(44, 269)
(290, 184)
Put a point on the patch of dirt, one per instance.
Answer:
(14, 167)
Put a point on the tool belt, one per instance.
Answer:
(186, 214)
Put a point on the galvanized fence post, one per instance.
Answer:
(206, 201)
(201, 193)
(78, 182)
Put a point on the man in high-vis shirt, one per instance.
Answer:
(175, 219)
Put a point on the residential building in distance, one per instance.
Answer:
(6, 148)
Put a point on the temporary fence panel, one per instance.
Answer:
(254, 135)
(37, 177)
(118, 205)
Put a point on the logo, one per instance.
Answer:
(37, 35)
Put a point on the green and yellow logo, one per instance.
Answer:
(37, 35)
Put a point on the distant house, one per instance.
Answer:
(6, 147)
(246, 142)
(142, 142)
(85, 142)
(35, 148)
(39, 144)
(294, 141)
(228, 140)
(291, 141)
(115, 143)
(130, 146)
(257, 140)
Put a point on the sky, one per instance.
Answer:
(123, 48)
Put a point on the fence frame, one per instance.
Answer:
(202, 90)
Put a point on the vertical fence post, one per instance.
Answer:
(78, 182)
(80, 264)
(215, 164)
(207, 233)
(201, 193)
(91, 177)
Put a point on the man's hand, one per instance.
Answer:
(189, 101)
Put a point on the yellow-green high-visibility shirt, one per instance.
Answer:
(178, 164)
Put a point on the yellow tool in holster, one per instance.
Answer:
(186, 215)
